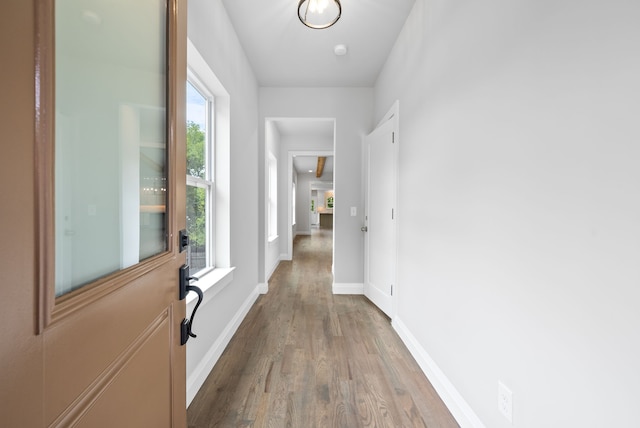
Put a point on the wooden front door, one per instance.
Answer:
(92, 185)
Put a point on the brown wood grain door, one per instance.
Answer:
(105, 351)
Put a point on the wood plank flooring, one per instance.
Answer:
(305, 358)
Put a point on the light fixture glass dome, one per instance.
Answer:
(319, 14)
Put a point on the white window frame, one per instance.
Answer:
(272, 204)
(214, 280)
(293, 202)
(208, 182)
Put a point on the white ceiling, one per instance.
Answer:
(303, 164)
(283, 52)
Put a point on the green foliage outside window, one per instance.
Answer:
(196, 196)
(196, 165)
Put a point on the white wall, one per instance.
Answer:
(353, 110)
(211, 32)
(303, 203)
(519, 212)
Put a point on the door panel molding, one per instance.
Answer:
(81, 405)
(126, 393)
(80, 349)
(81, 298)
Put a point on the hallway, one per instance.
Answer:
(304, 358)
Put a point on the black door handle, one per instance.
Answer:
(185, 288)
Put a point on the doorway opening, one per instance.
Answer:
(312, 203)
(303, 149)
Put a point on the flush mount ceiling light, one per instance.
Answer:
(319, 14)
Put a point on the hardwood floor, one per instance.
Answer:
(305, 358)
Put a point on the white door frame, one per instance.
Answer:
(291, 155)
(391, 115)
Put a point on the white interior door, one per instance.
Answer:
(380, 206)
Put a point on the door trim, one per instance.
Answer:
(392, 114)
(44, 155)
(290, 154)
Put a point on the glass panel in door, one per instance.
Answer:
(111, 138)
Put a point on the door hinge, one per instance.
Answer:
(392, 289)
(393, 137)
(392, 214)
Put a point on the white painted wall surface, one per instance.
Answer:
(303, 203)
(519, 215)
(212, 34)
(353, 110)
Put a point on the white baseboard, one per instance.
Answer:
(461, 411)
(199, 375)
(272, 269)
(286, 257)
(263, 288)
(346, 288)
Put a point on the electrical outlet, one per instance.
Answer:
(505, 401)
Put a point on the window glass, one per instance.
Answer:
(111, 139)
(197, 121)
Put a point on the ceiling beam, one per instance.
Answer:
(320, 168)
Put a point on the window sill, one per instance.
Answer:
(211, 284)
